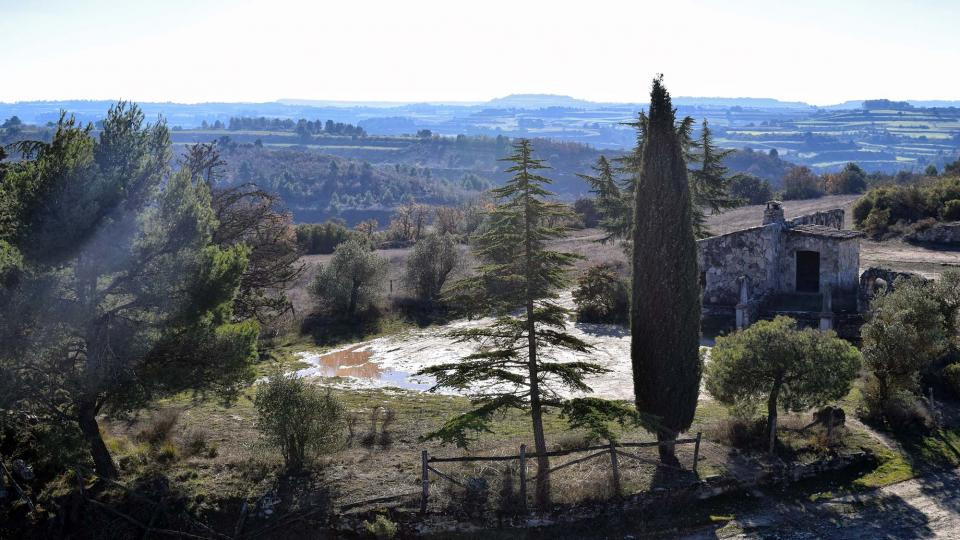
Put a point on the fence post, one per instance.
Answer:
(615, 465)
(523, 475)
(426, 483)
(696, 452)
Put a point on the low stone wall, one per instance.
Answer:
(941, 233)
(827, 218)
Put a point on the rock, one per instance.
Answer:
(939, 233)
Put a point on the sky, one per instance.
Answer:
(818, 51)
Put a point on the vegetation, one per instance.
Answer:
(665, 301)
(909, 328)
(776, 362)
(802, 183)
(298, 418)
(429, 264)
(601, 296)
(352, 280)
(751, 189)
(303, 127)
(323, 238)
(117, 292)
(889, 208)
(515, 363)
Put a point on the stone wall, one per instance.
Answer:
(750, 252)
(839, 261)
(827, 218)
(939, 233)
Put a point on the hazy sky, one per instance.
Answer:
(457, 50)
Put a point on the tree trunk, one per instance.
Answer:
(103, 463)
(667, 447)
(772, 416)
(354, 295)
(536, 414)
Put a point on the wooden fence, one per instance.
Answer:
(613, 450)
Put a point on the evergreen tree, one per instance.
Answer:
(123, 295)
(665, 305)
(710, 182)
(513, 364)
(612, 200)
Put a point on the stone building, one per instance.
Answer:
(806, 267)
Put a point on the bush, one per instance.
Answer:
(299, 419)
(601, 296)
(322, 238)
(158, 430)
(887, 205)
(951, 376)
(381, 527)
(900, 410)
(352, 281)
(951, 210)
(740, 432)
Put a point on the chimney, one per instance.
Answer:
(773, 213)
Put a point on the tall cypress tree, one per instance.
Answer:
(513, 366)
(665, 307)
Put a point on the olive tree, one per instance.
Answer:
(429, 264)
(789, 368)
(352, 280)
(907, 330)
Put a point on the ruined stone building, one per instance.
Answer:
(806, 267)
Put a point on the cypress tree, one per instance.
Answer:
(665, 306)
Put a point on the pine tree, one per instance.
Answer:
(710, 182)
(513, 364)
(613, 200)
(665, 306)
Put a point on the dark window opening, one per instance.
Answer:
(808, 271)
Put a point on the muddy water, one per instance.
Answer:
(359, 367)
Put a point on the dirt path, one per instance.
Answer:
(925, 507)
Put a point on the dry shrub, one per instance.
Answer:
(158, 429)
(196, 442)
(740, 432)
(902, 411)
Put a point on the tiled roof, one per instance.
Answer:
(824, 232)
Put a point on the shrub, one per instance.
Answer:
(601, 296)
(381, 527)
(951, 376)
(739, 432)
(901, 410)
(195, 443)
(158, 430)
(876, 223)
(951, 210)
(323, 238)
(297, 418)
(352, 281)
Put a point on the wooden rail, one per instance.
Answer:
(613, 450)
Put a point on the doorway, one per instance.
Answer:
(808, 271)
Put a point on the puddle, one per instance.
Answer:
(357, 364)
